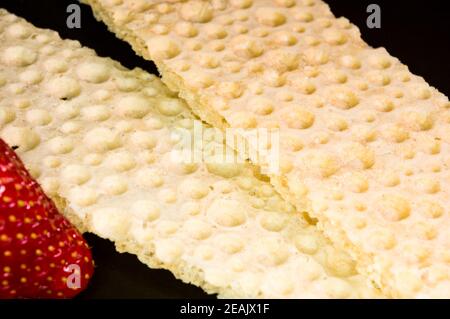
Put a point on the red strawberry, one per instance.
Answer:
(41, 254)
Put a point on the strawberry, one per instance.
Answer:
(41, 254)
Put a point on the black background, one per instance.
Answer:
(417, 32)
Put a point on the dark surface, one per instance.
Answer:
(124, 276)
(418, 33)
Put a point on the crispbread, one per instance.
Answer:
(364, 143)
(98, 137)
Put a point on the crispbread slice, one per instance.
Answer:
(99, 138)
(364, 143)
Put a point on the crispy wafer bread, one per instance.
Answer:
(364, 143)
(100, 140)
